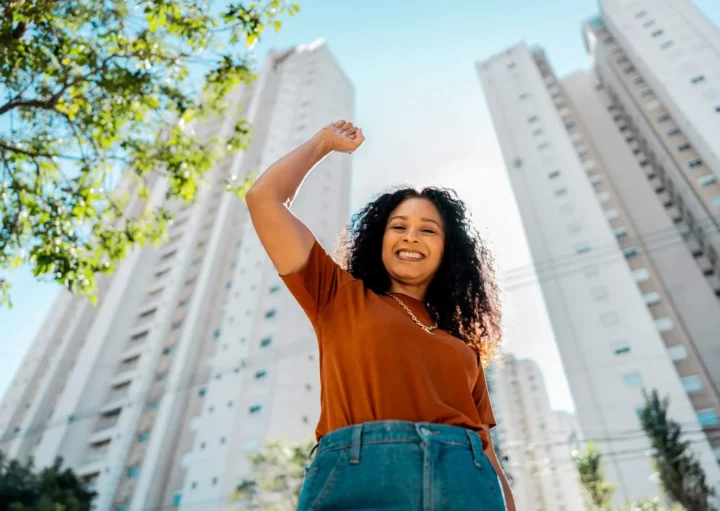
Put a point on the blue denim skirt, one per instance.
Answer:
(400, 466)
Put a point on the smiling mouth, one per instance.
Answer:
(409, 255)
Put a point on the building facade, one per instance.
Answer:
(196, 353)
(536, 440)
(631, 302)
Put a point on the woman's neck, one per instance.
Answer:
(417, 292)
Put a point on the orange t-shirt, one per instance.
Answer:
(377, 364)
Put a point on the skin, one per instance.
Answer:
(414, 225)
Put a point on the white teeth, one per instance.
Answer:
(410, 255)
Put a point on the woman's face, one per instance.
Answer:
(413, 243)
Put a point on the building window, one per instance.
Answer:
(692, 383)
(566, 209)
(641, 274)
(177, 325)
(153, 405)
(554, 174)
(162, 377)
(664, 324)
(524, 95)
(582, 248)
(673, 132)
(202, 391)
(140, 336)
(270, 314)
(596, 179)
(630, 253)
(609, 319)
(684, 147)
(603, 196)
(533, 119)
(176, 499)
(640, 14)
(216, 334)
(663, 117)
(569, 125)
(621, 348)
(255, 409)
(693, 164)
(645, 92)
(716, 201)
(143, 437)
(266, 342)
(121, 507)
(653, 104)
(697, 79)
(658, 33)
(677, 352)
(621, 60)
(612, 214)
(168, 350)
(651, 298)
(633, 379)
(707, 180)
(274, 289)
(537, 132)
(621, 232)
(589, 164)
(132, 471)
(599, 293)
(638, 80)
(260, 374)
(543, 146)
(560, 192)
(148, 313)
(574, 228)
(629, 69)
(666, 45)
(707, 417)
(649, 24)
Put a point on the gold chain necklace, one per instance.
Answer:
(428, 329)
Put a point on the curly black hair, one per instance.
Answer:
(463, 295)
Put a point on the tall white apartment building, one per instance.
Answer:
(537, 440)
(630, 304)
(196, 353)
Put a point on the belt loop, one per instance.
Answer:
(475, 446)
(356, 444)
(308, 461)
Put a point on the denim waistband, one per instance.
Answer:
(389, 432)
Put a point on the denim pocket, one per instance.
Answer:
(320, 478)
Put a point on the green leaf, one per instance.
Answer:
(119, 104)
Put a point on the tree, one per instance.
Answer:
(680, 474)
(279, 471)
(89, 88)
(598, 491)
(53, 489)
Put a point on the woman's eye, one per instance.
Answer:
(397, 227)
(429, 231)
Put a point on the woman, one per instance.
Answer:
(403, 331)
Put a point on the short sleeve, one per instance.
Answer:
(317, 283)
(482, 400)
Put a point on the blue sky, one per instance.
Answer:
(421, 107)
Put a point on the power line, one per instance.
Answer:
(190, 382)
(649, 237)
